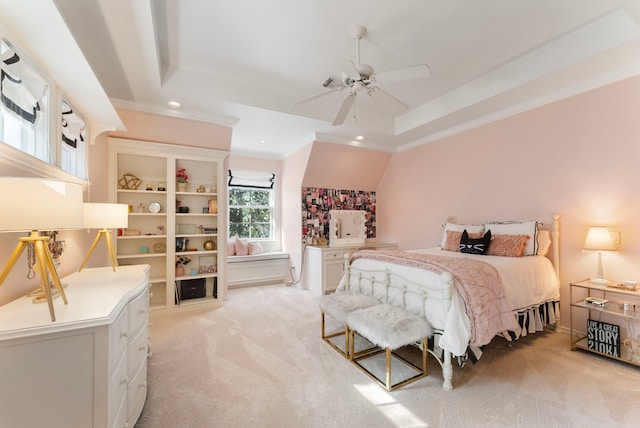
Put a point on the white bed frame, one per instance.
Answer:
(365, 280)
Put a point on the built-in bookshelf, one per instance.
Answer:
(168, 221)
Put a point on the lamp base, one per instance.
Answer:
(600, 281)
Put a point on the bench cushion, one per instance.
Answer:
(339, 305)
(389, 326)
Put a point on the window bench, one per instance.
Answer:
(257, 269)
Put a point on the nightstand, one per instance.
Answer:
(607, 326)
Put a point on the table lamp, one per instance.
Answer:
(599, 239)
(105, 217)
(38, 204)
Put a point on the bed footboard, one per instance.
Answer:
(430, 299)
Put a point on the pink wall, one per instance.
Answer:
(337, 166)
(172, 130)
(577, 157)
(293, 170)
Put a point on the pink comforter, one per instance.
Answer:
(478, 283)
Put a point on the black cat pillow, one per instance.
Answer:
(475, 246)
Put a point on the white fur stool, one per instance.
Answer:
(390, 328)
(338, 306)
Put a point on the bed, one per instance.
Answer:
(512, 290)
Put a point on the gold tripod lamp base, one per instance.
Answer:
(112, 254)
(44, 266)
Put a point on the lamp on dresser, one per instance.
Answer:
(599, 239)
(34, 205)
(105, 217)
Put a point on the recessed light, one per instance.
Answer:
(262, 141)
(359, 138)
(174, 104)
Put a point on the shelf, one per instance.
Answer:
(200, 275)
(148, 192)
(141, 255)
(625, 353)
(195, 235)
(195, 215)
(611, 308)
(148, 214)
(188, 253)
(196, 194)
(124, 238)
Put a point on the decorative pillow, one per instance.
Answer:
(255, 248)
(544, 242)
(470, 228)
(507, 245)
(529, 228)
(231, 247)
(474, 246)
(242, 247)
(453, 240)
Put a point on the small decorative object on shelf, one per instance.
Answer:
(181, 262)
(209, 245)
(159, 247)
(129, 182)
(149, 187)
(162, 187)
(213, 206)
(182, 178)
(200, 189)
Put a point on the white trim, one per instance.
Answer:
(27, 165)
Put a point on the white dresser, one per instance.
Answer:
(324, 266)
(86, 369)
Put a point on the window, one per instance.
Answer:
(23, 105)
(251, 213)
(73, 147)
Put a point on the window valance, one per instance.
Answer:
(252, 179)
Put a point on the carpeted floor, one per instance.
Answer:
(258, 361)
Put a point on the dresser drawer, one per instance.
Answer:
(137, 351)
(138, 310)
(118, 386)
(118, 338)
(137, 392)
(333, 255)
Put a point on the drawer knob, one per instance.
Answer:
(124, 334)
(124, 380)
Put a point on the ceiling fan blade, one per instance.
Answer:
(407, 73)
(347, 102)
(317, 96)
(377, 89)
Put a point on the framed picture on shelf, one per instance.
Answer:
(207, 264)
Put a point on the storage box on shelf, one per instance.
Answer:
(614, 320)
(167, 221)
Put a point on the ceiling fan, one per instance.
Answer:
(361, 78)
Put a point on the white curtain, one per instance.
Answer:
(253, 179)
(21, 88)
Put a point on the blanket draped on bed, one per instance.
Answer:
(477, 282)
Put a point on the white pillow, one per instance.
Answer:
(471, 228)
(529, 228)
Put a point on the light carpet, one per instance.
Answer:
(259, 361)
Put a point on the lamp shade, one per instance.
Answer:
(599, 239)
(105, 216)
(30, 203)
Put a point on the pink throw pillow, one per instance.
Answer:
(231, 247)
(242, 247)
(255, 248)
(507, 245)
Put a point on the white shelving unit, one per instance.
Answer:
(166, 234)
